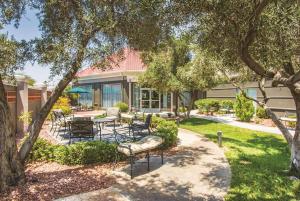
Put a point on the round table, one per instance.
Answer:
(100, 121)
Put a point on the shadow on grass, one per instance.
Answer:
(257, 161)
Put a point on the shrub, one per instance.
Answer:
(168, 130)
(63, 103)
(261, 113)
(182, 109)
(74, 154)
(122, 106)
(42, 150)
(208, 105)
(86, 153)
(155, 121)
(227, 104)
(244, 108)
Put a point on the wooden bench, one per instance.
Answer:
(145, 145)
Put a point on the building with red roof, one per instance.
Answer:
(118, 83)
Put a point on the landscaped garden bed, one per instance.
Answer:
(47, 181)
(258, 161)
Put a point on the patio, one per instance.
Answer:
(105, 133)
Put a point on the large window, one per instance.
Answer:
(86, 99)
(111, 94)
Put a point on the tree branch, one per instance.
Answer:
(36, 125)
(249, 39)
(261, 86)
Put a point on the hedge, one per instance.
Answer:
(208, 105)
(74, 154)
(96, 151)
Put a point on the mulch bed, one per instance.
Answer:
(47, 181)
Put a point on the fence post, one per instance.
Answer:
(220, 138)
(22, 100)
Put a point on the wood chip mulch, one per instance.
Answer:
(47, 181)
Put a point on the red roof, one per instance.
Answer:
(130, 61)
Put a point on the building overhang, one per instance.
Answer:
(109, 76)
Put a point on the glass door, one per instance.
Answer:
(150, 100)
(145, 98)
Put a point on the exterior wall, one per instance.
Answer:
(281, 100)
(30, 100)
(11, 95)
(34, 101)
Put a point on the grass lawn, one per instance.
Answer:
(258, 161)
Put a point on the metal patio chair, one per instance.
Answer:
(81, 129)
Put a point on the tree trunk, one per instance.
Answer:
(11, 169)
(295, 148)
(176, 94)
(36, 125)
(192, 103)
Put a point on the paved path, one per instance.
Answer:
(197, 171)
(230, 121)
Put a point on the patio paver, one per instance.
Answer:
(197, 171)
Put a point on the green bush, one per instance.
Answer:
(74, 154)
(43, 150)
(244, 108)
(155, 121)
(122, 106)
(86, 153)
(168, 130)
(208, 105)
(227, 104)
(261, 113)
(182, 109)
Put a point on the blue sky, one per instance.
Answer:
(29, 29)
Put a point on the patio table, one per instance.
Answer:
(100, 121)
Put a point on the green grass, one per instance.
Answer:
(258, 161)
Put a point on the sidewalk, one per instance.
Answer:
(197, 171)
(231, 121)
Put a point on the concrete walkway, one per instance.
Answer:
(231, 121)
(197, 171)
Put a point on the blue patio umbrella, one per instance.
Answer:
(78, 90)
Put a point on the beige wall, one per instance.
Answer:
(281, 100)
(34, 102)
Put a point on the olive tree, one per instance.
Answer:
(261, 36)
(177, 66)
(74, 32)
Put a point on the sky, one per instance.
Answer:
(29, 29)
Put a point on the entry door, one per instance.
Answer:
(150, 100)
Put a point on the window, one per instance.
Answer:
(86, 99)
(111, 94)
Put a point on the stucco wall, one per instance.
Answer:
(281, 100)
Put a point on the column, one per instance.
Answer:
(22, 100)
(43, 95)
(129, 96)
(172, 101)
